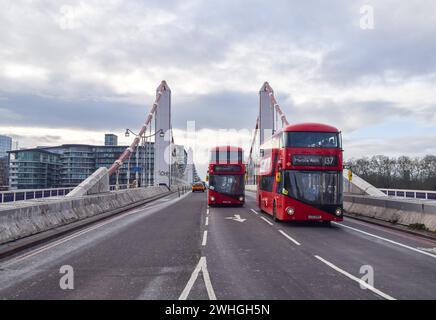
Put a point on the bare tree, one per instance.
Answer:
(400, 173)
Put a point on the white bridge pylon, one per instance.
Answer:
(266, 124)
(166, 170)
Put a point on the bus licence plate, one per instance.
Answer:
(314, 217)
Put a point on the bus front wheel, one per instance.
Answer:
(275, 212)
(260, 204)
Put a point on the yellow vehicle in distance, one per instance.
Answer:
(198, 186)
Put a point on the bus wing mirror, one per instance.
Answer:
(278, 177)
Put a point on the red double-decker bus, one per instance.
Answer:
(226, 176)
(300, 174)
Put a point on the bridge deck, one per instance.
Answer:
(151, 253)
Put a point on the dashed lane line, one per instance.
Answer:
(289, 238)
(204, 242)
(267, 221)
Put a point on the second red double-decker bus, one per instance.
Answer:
(300, 174)
(226, 176)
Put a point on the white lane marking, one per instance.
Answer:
(360, 281)
(267, 221)
(289, 238)
(190, 284)
(201, 266)
(75, 235)
(207, 211)
(63, 240)
(428, 249)
(387, 240)
(207, 221)
(207, 282)
(204, 242)
(254, 211)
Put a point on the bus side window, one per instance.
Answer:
(281, 144)
(266, 183)
(279, 185)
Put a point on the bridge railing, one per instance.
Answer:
(29, 194)
(411, 194)
(26, 194)
(120, 187)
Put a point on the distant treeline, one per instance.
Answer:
(397, 173)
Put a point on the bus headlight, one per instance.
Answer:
(241, 198)
(338, 211)
(212, 198)
(290, 211)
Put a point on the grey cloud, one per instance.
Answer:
(87, 114)
(345, 115)
(402, 42)
(121, 41)
(217, 111)
(410, 145)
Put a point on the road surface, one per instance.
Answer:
(178, 248)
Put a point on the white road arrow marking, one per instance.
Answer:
(236, 217)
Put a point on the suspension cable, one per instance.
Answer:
(279, 112)
(275, 104)
(250, 155)
(129, 150)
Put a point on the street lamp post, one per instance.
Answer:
(117, 183)
(128, 173)
(143, 162)
(143, 137)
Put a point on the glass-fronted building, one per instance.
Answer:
(4, 173)
(5, 145)
(110, 139)
(34, 169)
(106, 155)
(68, 165)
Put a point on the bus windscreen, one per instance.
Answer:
(227, 184)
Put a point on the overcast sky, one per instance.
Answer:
(72, 70)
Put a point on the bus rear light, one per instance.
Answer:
(241, 198)
(212, 198)
(290, 211)
(338, 211)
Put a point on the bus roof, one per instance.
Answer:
(310, 126)
(232, 148)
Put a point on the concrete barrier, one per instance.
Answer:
(399, 211)
(251, 187)
(96, 183)
(32, 217)
(359, 186)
